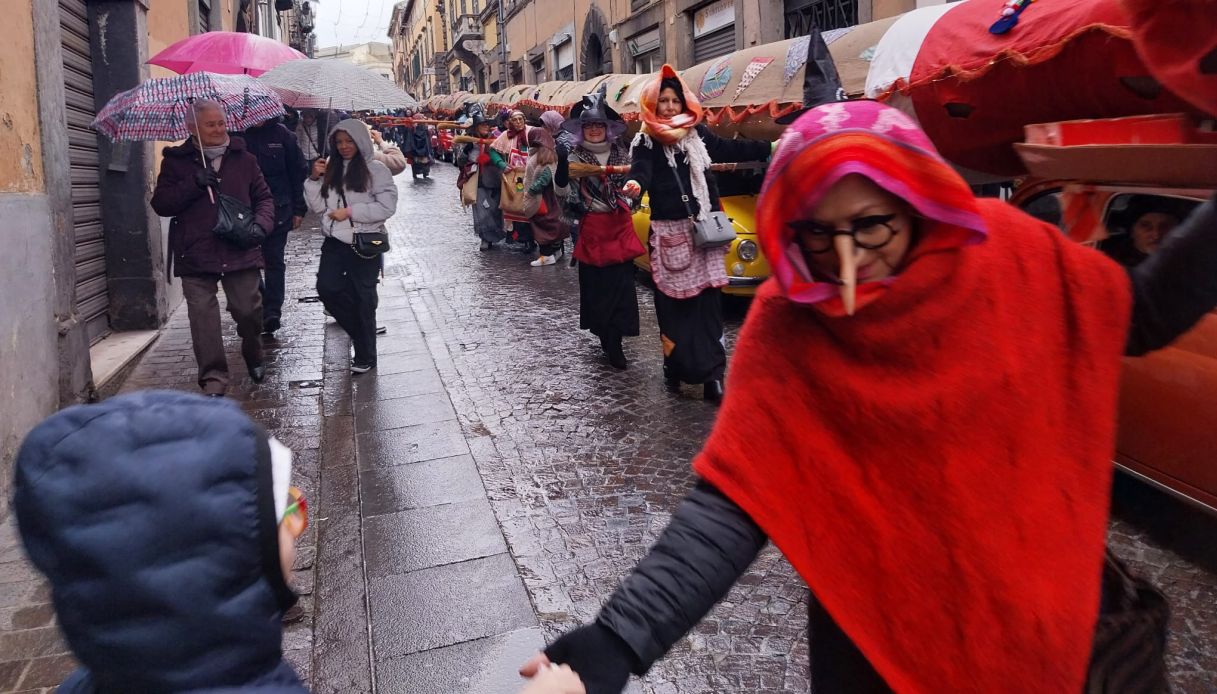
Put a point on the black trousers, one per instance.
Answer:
(274, 274)
(346, 284)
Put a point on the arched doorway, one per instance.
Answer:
(595, 58)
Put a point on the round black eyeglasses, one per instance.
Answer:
(872, 233)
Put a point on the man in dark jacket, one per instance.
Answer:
(185, 191)
(165, 525)
(283, 166)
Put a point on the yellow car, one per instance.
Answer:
(746, 265)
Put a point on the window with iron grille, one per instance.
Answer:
(204, 16)
(801, 15)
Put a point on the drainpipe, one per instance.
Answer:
(505, 77)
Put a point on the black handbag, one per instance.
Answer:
(713, 231)
(367, 244)
(235, 223)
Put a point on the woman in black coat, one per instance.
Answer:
(671, 160)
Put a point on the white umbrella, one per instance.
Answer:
(333, 84)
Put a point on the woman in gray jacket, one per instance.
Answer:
(354, 194)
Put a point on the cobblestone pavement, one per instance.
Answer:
(583, 464)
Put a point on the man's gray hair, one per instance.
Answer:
(202, 105)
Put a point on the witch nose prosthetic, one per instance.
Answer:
(847, 252)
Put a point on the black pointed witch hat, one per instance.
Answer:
(594, 108)
(821, 83)
(473, 116)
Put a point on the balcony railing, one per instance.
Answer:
(466, 28)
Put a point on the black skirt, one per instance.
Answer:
(608, 302)
(692, 334)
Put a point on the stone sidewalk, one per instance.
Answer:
(448, 611)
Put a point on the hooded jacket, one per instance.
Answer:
(153, 517)
(193, 245)
(370, 209)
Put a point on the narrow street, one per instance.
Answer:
(486, 488)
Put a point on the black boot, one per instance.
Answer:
(670, 382)
(257, 373)
(613, 350)
(713, 391)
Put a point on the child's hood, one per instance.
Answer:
(152, 515)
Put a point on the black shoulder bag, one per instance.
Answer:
(235, 223)
(366, 244)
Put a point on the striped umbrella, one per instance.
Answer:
(156, 109)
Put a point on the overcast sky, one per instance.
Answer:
(352, 21)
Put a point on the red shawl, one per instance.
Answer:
(937, 466)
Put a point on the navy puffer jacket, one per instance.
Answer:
(152, 515)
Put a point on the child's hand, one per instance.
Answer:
(555, 679)
(340, 215)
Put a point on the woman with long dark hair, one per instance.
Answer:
(547, 227)
(671, 159)
(354, 194)
(607, 245)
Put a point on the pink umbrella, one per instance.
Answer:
(225, 52)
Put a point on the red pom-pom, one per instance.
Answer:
(483, 159)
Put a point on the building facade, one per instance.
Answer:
(83, 274)
(420, 48)
(581, 39)
(374, 56)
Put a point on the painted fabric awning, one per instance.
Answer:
(973, 91)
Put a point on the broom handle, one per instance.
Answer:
(579, 170)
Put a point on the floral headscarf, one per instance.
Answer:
(668, 131)
(879, 142)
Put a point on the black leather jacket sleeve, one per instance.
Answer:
(707, 546)
(1177, 285)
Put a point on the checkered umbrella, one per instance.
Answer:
(156, 109)
(334, 84)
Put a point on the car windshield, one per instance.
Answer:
(1136, 224)
(739, 182)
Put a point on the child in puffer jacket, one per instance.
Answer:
(165, 523)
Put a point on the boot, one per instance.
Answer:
(670, 382)
(613, 350)
(713, 392)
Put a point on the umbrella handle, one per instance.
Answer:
(198, 140)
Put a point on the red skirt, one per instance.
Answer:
(607, 238)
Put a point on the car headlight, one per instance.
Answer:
(746, 250)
